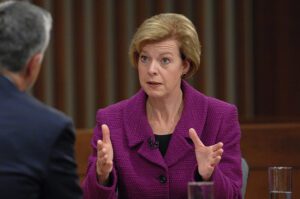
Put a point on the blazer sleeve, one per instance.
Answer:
(91, 188)
(227, 175)
(62, 181)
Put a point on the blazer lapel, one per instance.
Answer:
(138, 131)
(193, 116)
(152, 154)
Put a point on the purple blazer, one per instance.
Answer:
(141, 172)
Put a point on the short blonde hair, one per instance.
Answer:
(165, 26)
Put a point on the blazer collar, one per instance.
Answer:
(139, 131)
(193, 116)
(135, 120)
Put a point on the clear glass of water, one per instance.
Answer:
(280, 182)
(200, 190)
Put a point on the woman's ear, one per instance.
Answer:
(186, 67)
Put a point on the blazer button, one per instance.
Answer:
(162, 179)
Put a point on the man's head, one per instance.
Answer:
(24, 37)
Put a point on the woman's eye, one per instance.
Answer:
(143, 58)
(165, 60)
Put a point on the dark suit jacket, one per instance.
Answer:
(36, 148)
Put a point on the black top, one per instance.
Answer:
(163, 142)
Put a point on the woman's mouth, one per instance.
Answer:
(153, 83)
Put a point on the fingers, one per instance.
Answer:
(103, 156)
(217, 153)
(217, 146)
(217, 150)
(216, 161)
(105, 133)
(104, 146)
(102, 152)
(208, 157)
(196, 140)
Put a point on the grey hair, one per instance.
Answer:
(24, 31)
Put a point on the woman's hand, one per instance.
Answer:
(104, 156)
(207, 156)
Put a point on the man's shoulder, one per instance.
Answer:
(52, 116)
(45, 115)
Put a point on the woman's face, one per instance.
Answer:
(160, 68)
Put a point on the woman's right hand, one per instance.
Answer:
(104, 156)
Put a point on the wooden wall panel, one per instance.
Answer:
(142, 12)
(181, 7)
(277, 89)
(243, 75)
(220, 67)
(121, 50)
(101, 54)
(59, 55)
(261, 61)
(159, 6)
(199, 79)
(265, 76)
(241, 57)
(79, 63)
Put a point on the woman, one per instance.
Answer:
(153, 144)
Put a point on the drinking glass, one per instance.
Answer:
(280, 182)
(200, 190)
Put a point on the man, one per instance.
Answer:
(36, 141)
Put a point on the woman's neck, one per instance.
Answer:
(163, 115)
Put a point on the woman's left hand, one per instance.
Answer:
(207, 156)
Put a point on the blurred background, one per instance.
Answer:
(250, 54)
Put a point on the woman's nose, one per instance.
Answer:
(153, 67)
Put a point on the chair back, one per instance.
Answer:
(245, 170)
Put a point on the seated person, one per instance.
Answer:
(37, 142)
(167, 134)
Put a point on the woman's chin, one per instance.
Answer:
(154, 94)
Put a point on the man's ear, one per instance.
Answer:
(33, 63)
(33, 68)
